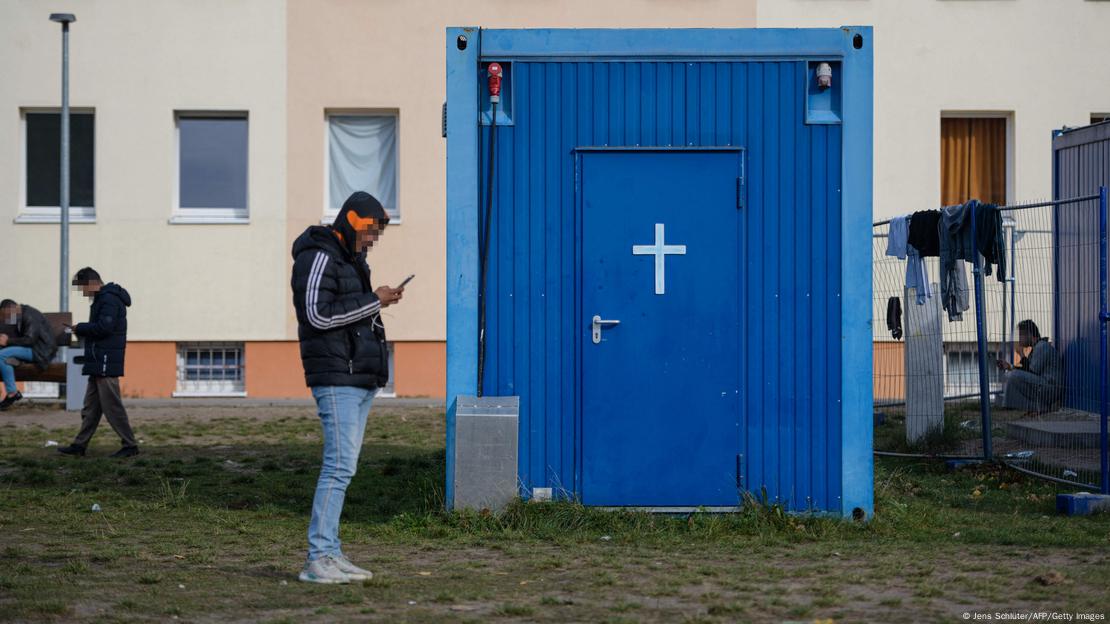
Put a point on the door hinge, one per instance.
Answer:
(739, 192)
(444, 120)
(739, 472)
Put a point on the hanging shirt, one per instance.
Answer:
(988, 235)
(923, 233)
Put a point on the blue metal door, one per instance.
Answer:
(660, 323)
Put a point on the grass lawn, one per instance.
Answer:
(208, 525)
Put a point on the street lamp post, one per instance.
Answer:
(64, 19)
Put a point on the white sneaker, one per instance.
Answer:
(352, 571)
(323, 570)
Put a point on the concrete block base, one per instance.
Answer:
(1082, 503)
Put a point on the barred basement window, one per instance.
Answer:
(41, 390)
(962, 369)
(210, 369)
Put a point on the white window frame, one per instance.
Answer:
(208, 216)
(1010, 142)
(329, 214)
(51, 214)
(194, 388)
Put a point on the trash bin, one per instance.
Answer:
(76, 383)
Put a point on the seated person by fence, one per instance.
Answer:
(32, 341)
(1036, 384)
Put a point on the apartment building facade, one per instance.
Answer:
(207, 135)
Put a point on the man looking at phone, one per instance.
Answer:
(343, 351)
(1036, 384)
(105, 338)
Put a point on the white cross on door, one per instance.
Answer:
(660, 251)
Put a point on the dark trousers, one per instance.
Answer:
(102, 397)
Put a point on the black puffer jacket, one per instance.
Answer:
(341, 332)
(105, 334)
(34, 332)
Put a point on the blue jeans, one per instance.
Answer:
(343, 411)
(6, 370)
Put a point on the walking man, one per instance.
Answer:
(33, 341)
(343, 351)
(105, 337)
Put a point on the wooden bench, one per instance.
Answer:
(56, 371)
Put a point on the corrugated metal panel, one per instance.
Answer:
(791, 262)
(1081, 164)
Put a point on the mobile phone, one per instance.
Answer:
(407, 280)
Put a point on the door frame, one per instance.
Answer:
(581, 330)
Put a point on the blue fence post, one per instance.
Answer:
(1104, 366)
(981, 338)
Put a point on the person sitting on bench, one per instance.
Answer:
(1036, 384)
(32, 342)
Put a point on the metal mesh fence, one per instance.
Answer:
(1042, 352)
(1050, 428)
(926, 381)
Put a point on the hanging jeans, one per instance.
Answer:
(6, 370)
(954, 293)
(342, 411)
(917, 275)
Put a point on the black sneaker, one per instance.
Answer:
(127, 451)
(72, 449)
(9, 400)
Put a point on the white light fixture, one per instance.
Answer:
(824, 76)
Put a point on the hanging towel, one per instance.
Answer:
(953, 277)
(894, 317)
(923, 233)
(897, 236)
(898, 245)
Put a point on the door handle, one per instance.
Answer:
(597, 324)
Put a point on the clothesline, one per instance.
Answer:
(1058, 202)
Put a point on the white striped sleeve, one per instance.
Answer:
(322, 321)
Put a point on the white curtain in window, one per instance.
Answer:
(362, 152)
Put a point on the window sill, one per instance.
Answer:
(328, 219)
(203, 395)
(210, 219)
(54, 218)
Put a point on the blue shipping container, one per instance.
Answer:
(702, 189)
